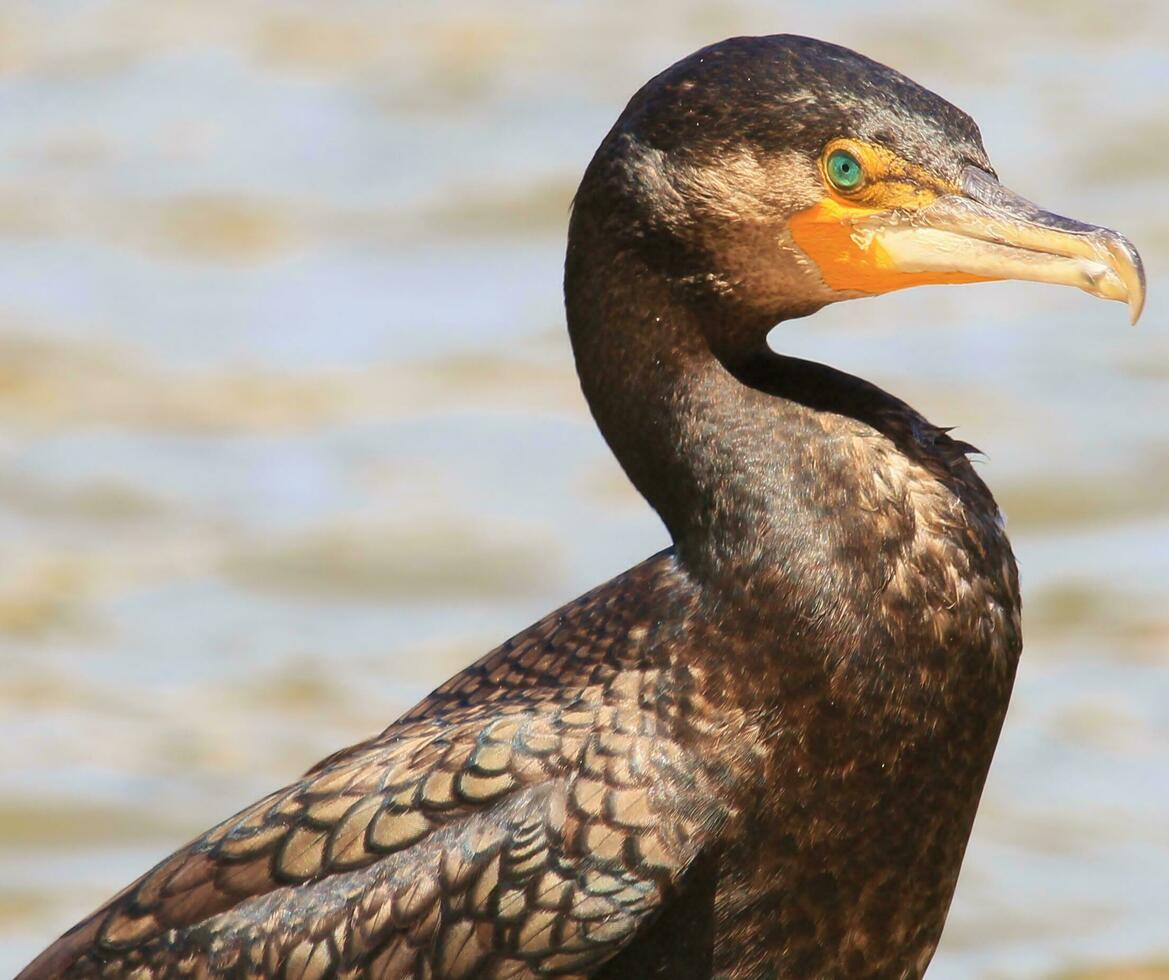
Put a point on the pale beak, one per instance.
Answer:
(990, 233)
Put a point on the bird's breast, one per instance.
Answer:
(886, 712)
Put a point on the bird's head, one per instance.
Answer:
(783, 173)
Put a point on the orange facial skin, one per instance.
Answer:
(847, 257)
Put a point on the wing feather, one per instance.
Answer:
(520, 842)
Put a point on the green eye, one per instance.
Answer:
(844, 170)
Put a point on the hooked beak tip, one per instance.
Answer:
(1127, 265)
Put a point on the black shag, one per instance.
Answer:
(759, 753)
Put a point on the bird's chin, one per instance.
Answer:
(987, 232)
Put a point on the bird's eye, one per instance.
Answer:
(844, 170)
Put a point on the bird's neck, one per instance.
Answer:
(756, 462)
(661, 370)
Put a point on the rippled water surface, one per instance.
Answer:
(290, 430)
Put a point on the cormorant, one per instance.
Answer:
(758, 753)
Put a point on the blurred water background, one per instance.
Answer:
(289, 429)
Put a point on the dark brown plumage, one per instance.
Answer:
(758, 753)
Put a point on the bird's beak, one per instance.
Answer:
(987, 232)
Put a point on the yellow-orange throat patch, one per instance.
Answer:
(850, 259)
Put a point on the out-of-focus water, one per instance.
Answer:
(290, 430)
